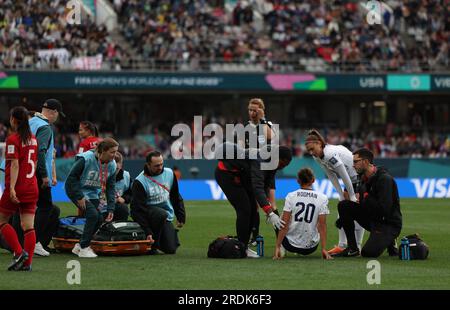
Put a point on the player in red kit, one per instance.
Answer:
(89, 134)
(21, 189)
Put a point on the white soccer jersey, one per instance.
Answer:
(335, 156)
(305, 207)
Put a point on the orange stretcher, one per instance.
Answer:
(138, 247)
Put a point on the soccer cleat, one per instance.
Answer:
(76, 249)
(348, 252)
(18, 261)
(40, 251)
(336, 250)
(252, 243)
(87, 253)
(252, 254)
(25, 268)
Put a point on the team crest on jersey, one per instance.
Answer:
(11, 149)
(333, 160)
(261, 139)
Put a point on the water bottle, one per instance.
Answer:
(404, 246)
(260, 245)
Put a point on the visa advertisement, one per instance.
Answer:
(210, 190)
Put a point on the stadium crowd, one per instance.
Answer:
(414, 35)
(277, 35)
(35, 35)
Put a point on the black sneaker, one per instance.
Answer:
(348, 252)
(18, 261)
(152, 251)
(25, 268)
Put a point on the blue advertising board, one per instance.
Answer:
(408, 188)
(210, 190)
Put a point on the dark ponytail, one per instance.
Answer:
(91, 127)
(315, 136)
(20, 114)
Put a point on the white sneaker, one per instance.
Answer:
(40, 251)
(282, 251)
(76, 249)
(252, 254)
(87, 253)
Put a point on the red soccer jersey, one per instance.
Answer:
(26, 185)
(88, 144)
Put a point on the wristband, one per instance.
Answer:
(267, 209)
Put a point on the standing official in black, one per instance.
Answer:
(377, 211)
(243, 182)
(258, 134)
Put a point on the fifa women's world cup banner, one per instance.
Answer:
(210, 190)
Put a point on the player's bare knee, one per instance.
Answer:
(27, 225)
(3, 219)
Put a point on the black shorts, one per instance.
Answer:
(289, 247)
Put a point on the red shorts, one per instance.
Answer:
(8, 208)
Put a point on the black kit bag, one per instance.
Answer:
(70, 227)
(120, 231)
(227, 247)
(413, 247)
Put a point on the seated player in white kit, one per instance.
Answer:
(305, 212)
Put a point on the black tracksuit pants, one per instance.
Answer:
(42, 220)
(163, 232)
(381, 235)
(242, 200)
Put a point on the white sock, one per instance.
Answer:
(359, 234)
(342, 238)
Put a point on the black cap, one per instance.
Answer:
(54, 104)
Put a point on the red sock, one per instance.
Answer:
(29, 237)
(11, 239)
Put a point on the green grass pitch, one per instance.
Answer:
(191, 269)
